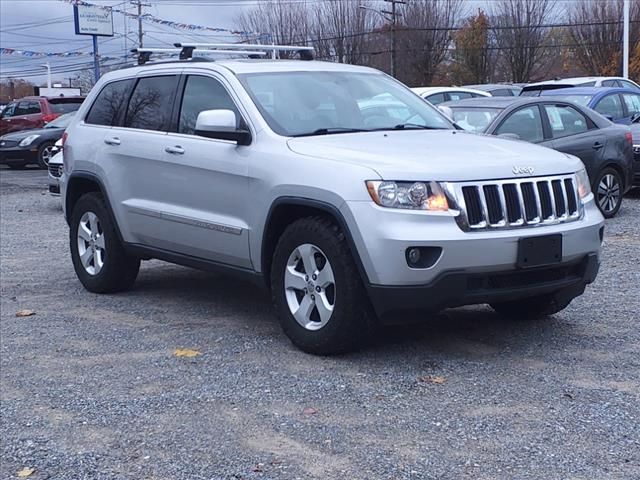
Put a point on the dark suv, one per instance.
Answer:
(35, 112)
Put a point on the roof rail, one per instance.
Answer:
(306, 53)
(186, 53)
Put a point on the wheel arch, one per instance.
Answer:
(81, 183)
(286, 210)
(618, 168)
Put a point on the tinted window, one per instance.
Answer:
(436, 98)
(609, 83)
(202, 93)
(632, 101)
(109, 106)
(526, 123)
(628, 84)
(586, 84)
(611, 106)
(151, 103)
(459, 95)
(9, 111)
(565, 120)
(502, 92)
(64, 107)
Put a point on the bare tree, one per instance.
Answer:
(521, 35)
(424, 36)
(277, 21)
(597, 33)
(339, 31)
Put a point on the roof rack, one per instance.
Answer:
(186, 50)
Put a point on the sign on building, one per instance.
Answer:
(93, 20)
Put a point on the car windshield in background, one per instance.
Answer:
(320, 103)
(579, 99)
(65, 106)
(474, 119)
(62, 121)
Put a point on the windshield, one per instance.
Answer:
(475, 119)
(62, 121)
(320, 103)
(579, 99)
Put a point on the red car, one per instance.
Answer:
(35, 112)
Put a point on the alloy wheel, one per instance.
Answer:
(91, 245)
(608, 193)
(310, 287)
(47, 154)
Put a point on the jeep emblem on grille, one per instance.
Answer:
(517, 170)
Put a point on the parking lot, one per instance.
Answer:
(91, 386)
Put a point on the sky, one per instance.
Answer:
(47, 26)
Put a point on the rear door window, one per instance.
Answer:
(610, 106)
(610, 83)
(151, 103)
(526, 123)
(459, 95)
(108, 108)
(565, 120)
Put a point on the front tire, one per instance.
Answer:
(98, 256)
(608, 190)
(317, 291)
(531, 308)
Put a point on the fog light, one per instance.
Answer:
(413, 257)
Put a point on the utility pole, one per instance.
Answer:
(139, 4)
(391, 17)
(48, 67)
(625, 40)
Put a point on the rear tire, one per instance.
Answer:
(316, 288)
(531, 308)
(608, 190)
(98, 256)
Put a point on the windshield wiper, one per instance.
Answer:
(331, 130)
(408, 126)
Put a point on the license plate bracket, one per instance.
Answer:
(539, 251)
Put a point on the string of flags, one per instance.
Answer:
(31, 53)
(168, 23)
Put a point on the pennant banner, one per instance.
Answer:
(30, 53)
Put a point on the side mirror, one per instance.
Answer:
(635, 118)
(221, 124)
(446, 111)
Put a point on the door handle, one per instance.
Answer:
(598, 145)
(177, 150)
(112, 141)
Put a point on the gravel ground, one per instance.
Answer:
(91, 387)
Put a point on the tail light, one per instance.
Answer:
(628, 137)
(50, 117)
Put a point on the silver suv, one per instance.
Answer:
(335, 186)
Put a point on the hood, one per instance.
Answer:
(46, 132)
(442, 155)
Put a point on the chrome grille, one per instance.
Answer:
(56, 170)
(516, 203)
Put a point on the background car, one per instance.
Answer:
(604, 148)
(535, 89)
(619, 105)
(635, 133)
(35, 112)
(33, 146)
(56, 167)
(437, 95)
(497, 89)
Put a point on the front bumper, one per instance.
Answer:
(18, 155)
(453, 289)
(470, 262)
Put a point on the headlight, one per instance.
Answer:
(28, 140)
(584, 187)
(408, 195)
